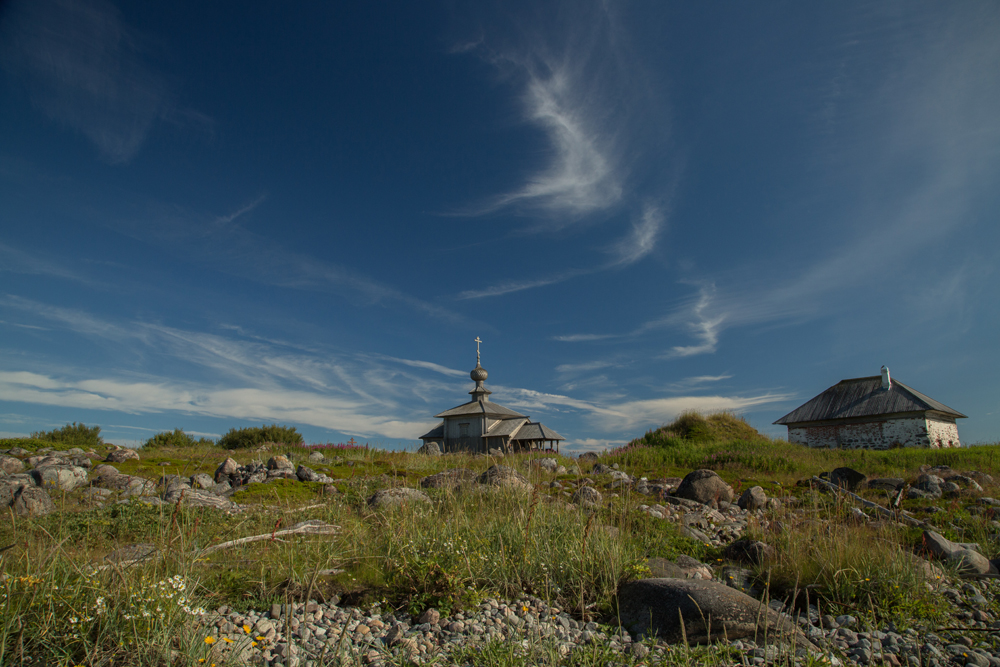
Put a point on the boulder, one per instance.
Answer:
(11, 465)
(601, 469)
(848, 478)
(31, 501)
(316, 457)
(752, 552)
(504, 476)
(430, 449)
(122, 454)
(448, 479)
(127, 485)
(546, 464)
(752, 499)
(44, 461)
(226, 469)
(279, 462)
(195, 498)
(891, 484)
(927, 486)
(683, 567)
(59, 478)
(495, 453)
(587, 496)
(964, 557)
(587, 456)
(397, 496)
(202, 481)
(966, 482)
(305, 474)
(22, 452)
(696, 611)
(706, 487)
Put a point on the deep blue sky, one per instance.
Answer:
(222, 214)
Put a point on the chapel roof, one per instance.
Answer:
(865, 397)
(536, 431)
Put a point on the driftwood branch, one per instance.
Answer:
(869, 504)
(304, 528)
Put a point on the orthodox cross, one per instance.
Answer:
(477, 349)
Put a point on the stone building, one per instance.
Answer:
(873, 413)
(481, 425)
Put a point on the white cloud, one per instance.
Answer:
(632, 415)
(428, 365)
(584, 367)
(520, 285)
(642, 239)
(251, 403)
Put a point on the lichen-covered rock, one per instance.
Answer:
(752, 552)
(60, 478)
(397, 496)
(448, 479)
(196, 498)
(31, 501)
(11, 465)
(683, 567)
(122, 454)
(504, 476)
(706, 487)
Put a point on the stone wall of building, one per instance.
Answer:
(942, 434)
(904, 432)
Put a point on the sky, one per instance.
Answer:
(218, 215)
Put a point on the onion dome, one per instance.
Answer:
(478, 373)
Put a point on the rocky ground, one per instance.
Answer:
(704, 507)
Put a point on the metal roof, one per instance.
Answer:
(504, 427)
(434, 433)
(864, 397)
(480, 408)
(536, 431)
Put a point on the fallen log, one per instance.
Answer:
(889, 514)
(304, 528)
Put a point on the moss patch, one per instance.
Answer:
(279, 491)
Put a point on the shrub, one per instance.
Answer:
(252, 436)
(73, 435)
(177, 438)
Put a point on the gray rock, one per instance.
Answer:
(60, 478)
(195, 498)
(752, 499)
(11, 465)
(587, 496)
(122, 454)
(21, 452)
(495, 453)
(31, 501)
(449, 479)
(202, 481)
(706, 487)
(601, 469)
(930, 484)
(710, 611)
(965, 559)
(587, 456)
(504, 476)
(280, 462)
(848, 478)
(317, 457)
(431, 617)
(306, 474)
(430, 449)
(397, 496)
(547, 464)
(752, 552)
(226, 469)
(683, 567)
(892, 484)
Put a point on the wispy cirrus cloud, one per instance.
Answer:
(85, 67)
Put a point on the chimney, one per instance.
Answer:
(886, 382)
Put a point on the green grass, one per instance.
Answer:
(464, 546)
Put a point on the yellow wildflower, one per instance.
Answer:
(209, 640)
